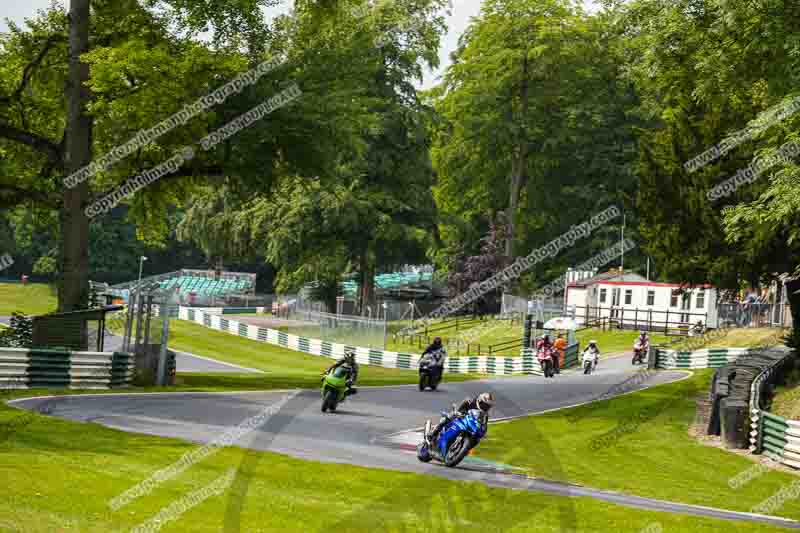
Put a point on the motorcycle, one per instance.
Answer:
(638, 353)
(545, 357)
(461, 434)
(429, 375)
(589, 362)
(334, 388)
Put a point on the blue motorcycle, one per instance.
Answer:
(461, 434)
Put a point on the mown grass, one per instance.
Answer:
(615, 340)
(786, 401)
(31, 299)
(637, 444)
(733, 338)
(284, 368)
(60, 476)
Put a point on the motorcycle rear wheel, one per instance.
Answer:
(459, 449)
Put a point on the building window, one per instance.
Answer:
(673, 302)
(602, 296)
(651, 297)
(700, 300)
(628, 296)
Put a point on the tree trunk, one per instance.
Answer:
(793, 296)
(74, 287)
(519, 165)
(367, 295)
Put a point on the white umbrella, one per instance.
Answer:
(561, 322)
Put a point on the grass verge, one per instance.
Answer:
(734, 338)
(284, 368)
(31, 299)
(639, 444)
(60, 475)
(786, 401)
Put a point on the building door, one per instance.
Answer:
(615, 303)
(686, 300)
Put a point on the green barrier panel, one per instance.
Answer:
(779, 427)
(774, 442)
(54, 364)
(776, 450)
(303, 344)
(403, 360)
(376, 357)
(776, 418)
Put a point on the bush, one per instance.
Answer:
(20, 334)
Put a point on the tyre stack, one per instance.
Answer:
(730, 394)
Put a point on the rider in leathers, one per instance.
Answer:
(435, 354)
(482, 402)
(349, 359)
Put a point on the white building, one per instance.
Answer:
(635, 302)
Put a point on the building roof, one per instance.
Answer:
(659, 284)
(612, 275)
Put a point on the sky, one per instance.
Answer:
(463, 10)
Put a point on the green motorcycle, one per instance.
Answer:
(334, 388)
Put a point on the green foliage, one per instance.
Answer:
(20, 334)
(698, 90)
(368, 204)
(539, 79)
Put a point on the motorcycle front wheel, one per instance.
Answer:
(329, 400)
(423, 453)
(458, 450)
(423, 381)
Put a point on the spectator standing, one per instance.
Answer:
(560, 345)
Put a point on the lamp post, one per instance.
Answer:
(142, 259)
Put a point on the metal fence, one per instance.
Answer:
(553, 306)
(344, 329)
(754, 315)
(670, 322)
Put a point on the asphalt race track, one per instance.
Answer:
(376, 427)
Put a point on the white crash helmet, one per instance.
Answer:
(485, 401)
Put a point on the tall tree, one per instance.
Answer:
(48, 133)
(704, 71)
(370, 205)
(73, 289)
(534, 122)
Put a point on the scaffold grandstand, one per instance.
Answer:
(394, 280)
(195, 287)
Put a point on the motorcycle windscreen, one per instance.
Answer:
(341, 372)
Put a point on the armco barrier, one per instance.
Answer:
(525, 364)
(240, 310)
(781, 439)
(774, 436)
(34, 368)
(707, 358)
